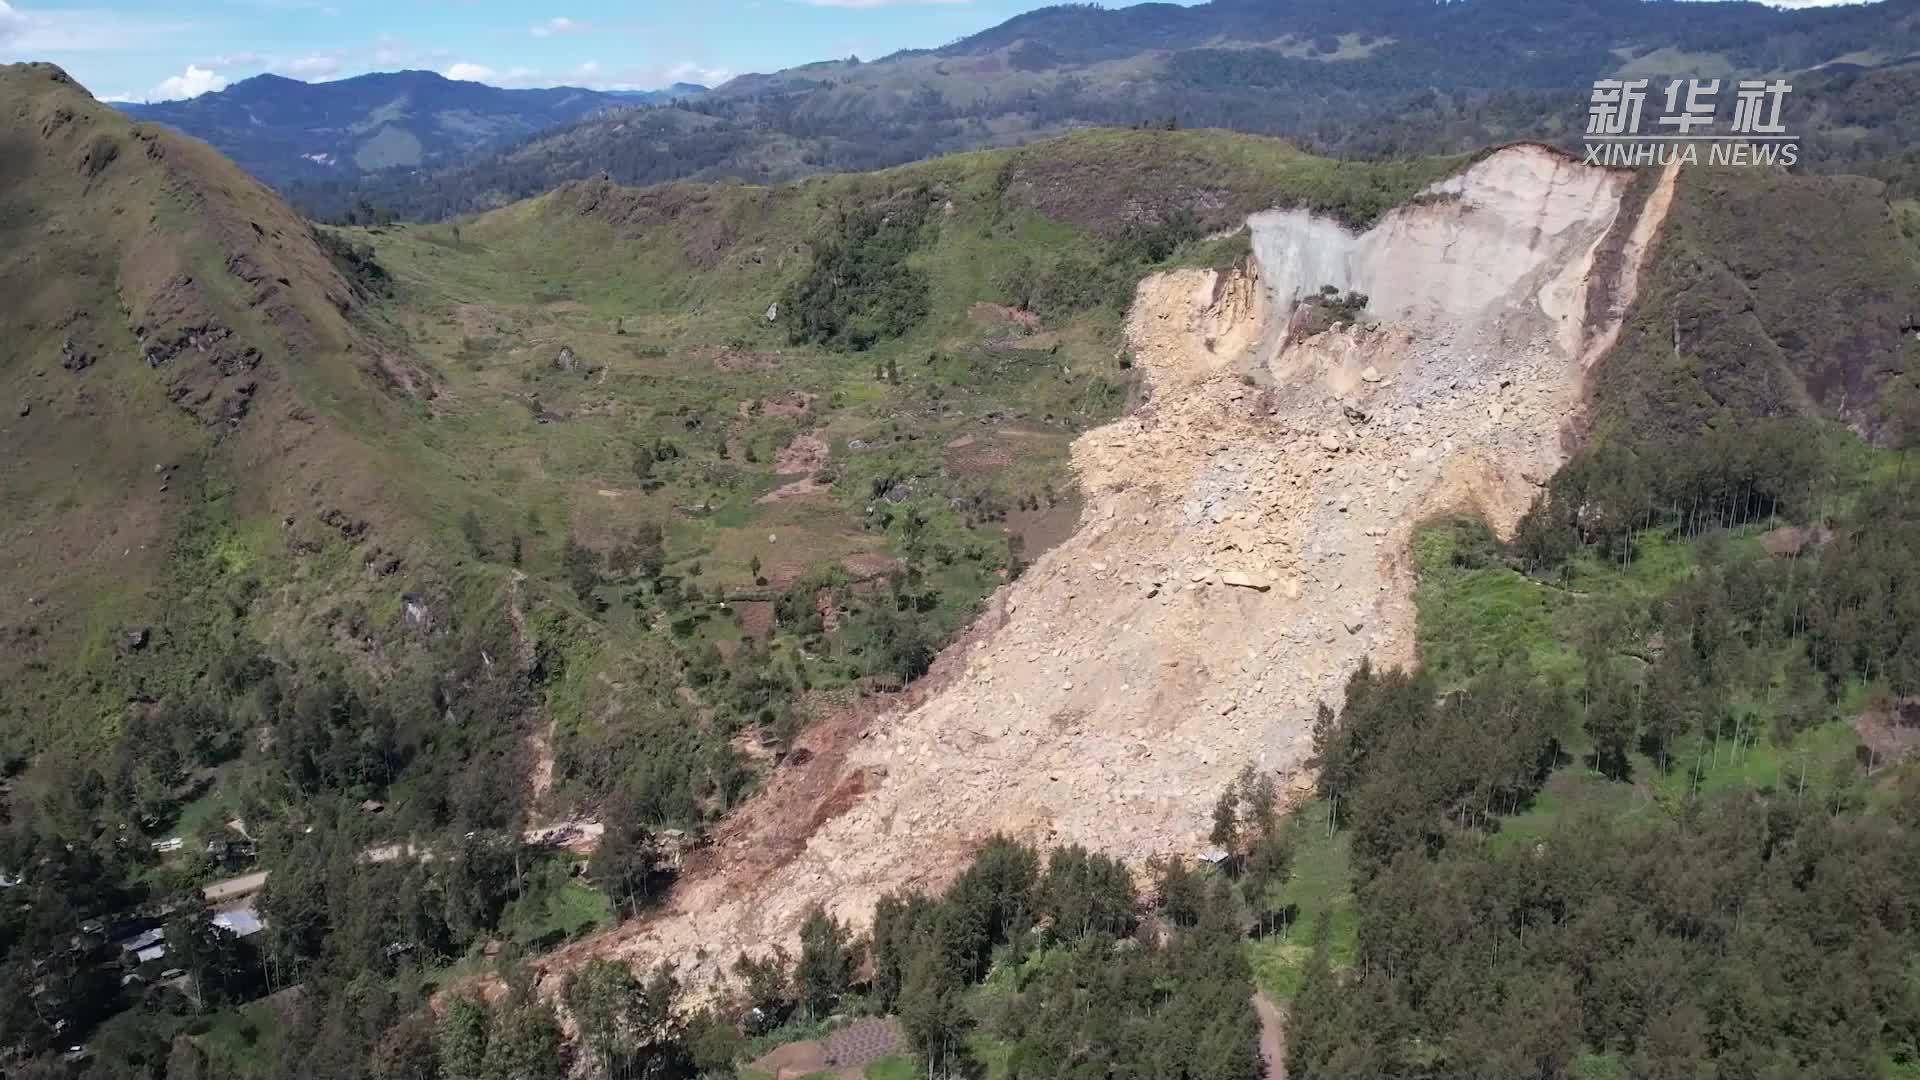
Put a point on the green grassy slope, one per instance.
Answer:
(597, 327)
(169, 327)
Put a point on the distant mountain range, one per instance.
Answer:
(1352, 78)
(284, 130)
(1355, 78)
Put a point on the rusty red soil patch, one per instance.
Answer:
(870, 564)
(791, 403)
(745, 360)
(756, 617)
(1001, 315)
(829, 613)
(840, 799)
(782, 575)
(813, 786)
(798, 489)
(806, 790)
(1889, 729)
(804, 454)
(794, 1059)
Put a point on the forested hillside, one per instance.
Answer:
(1647, 809)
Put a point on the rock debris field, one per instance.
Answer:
(1245, 544)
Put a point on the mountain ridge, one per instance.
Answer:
(285, 130)
(1375, 79)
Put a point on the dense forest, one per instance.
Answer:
(1760, 932)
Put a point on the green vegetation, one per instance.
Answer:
(1032, 966)
(860, 288)
(1686, 707)
(1317, 889)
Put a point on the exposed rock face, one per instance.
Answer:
(1523, 221)
(1244, 547)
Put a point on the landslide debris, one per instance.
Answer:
(1244, 545)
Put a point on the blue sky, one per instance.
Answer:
(148, 50)
(142, 49)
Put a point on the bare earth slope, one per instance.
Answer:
(1244, 547)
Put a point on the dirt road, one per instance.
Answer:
(234, 888)
(580, 836)
(1272, 1028)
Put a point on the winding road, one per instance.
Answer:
(581, 835)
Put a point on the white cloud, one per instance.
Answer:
(192, 83)
(315, 67)
(559, 24)
(29, 34)
(690, 72)
(594, 76)
(465, 72)
(11, 22)
(481, 73)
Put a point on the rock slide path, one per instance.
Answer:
(1243, 547)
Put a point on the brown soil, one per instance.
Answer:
(863, 1042)
(730, 359)
(756, 617)
(805, 454)
(798, 489)
(973, 454)
(792, 403)
(1789, 540)
(1001, 315)
(870, 565)
(477, 320)
(793, 1060)
(1273, 1026)
(1042, 530)
(1889, 729)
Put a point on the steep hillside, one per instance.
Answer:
(284, 130)
(1242, 549)
(170, 327)
(803, 431)
(341, 546)
(1384, 78)
(1248, 535)
(378, 539)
